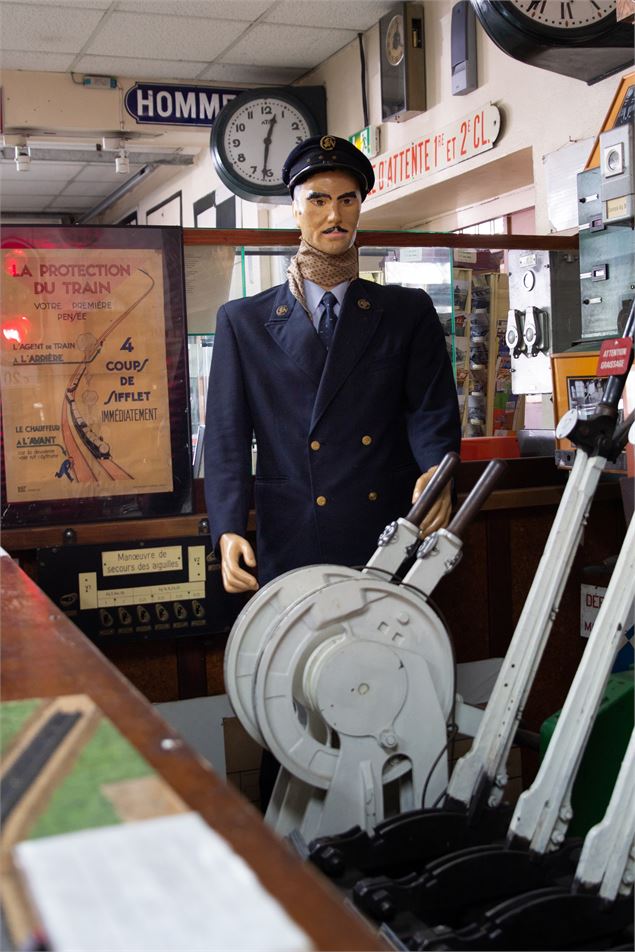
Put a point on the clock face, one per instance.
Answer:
(395, 40)
(578, 38)
(567, 15)
(253, 137)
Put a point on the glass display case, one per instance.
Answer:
(465, 275)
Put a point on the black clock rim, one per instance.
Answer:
(228, 177)
(540, 32)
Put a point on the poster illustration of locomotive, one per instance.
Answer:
(83, 373)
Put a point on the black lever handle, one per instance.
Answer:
(488, 480)
(434, 488)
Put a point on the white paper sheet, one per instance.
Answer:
(164, 885)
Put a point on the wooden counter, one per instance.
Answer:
(44, 655)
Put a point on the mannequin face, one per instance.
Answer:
(326, 208)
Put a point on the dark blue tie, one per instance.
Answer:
(328, 318)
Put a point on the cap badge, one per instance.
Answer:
(327, 143)
(282, 310)
(364, 303)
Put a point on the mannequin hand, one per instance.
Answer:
(235, 579)
(439, 515)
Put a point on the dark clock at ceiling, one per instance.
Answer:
(578, 38)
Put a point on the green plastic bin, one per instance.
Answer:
(603, 755)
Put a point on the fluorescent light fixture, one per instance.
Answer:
(22, 158)
(122, 164)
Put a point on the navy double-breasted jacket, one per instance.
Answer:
(342, 437)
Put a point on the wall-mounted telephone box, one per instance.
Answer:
(544, 314)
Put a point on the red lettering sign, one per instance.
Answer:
(460, 140)
(614, 359)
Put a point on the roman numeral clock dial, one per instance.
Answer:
(568, 15)
(578, 38)
(251, 139)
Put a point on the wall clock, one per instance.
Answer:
(402, 63)
(252, 137)
(578, 38)
(394, 43)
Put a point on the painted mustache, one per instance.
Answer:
(335, 228)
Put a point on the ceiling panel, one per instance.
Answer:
(132, 34)
(330, 14)
(35, 27)
(69, 203)
(51, 62)
(20, 203)
(90, 189)
(294, 46)
(56, 171)
(26, 186)
(246, 10)
(251, 75)
(94, 172)
(139, 67)
(85, 4)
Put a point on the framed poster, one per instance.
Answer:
(93, 374)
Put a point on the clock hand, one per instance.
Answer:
(269, 130)
(267, 143)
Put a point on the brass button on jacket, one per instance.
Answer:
(321, 500)
(373, 496)
(367, 440)
(315, 445)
